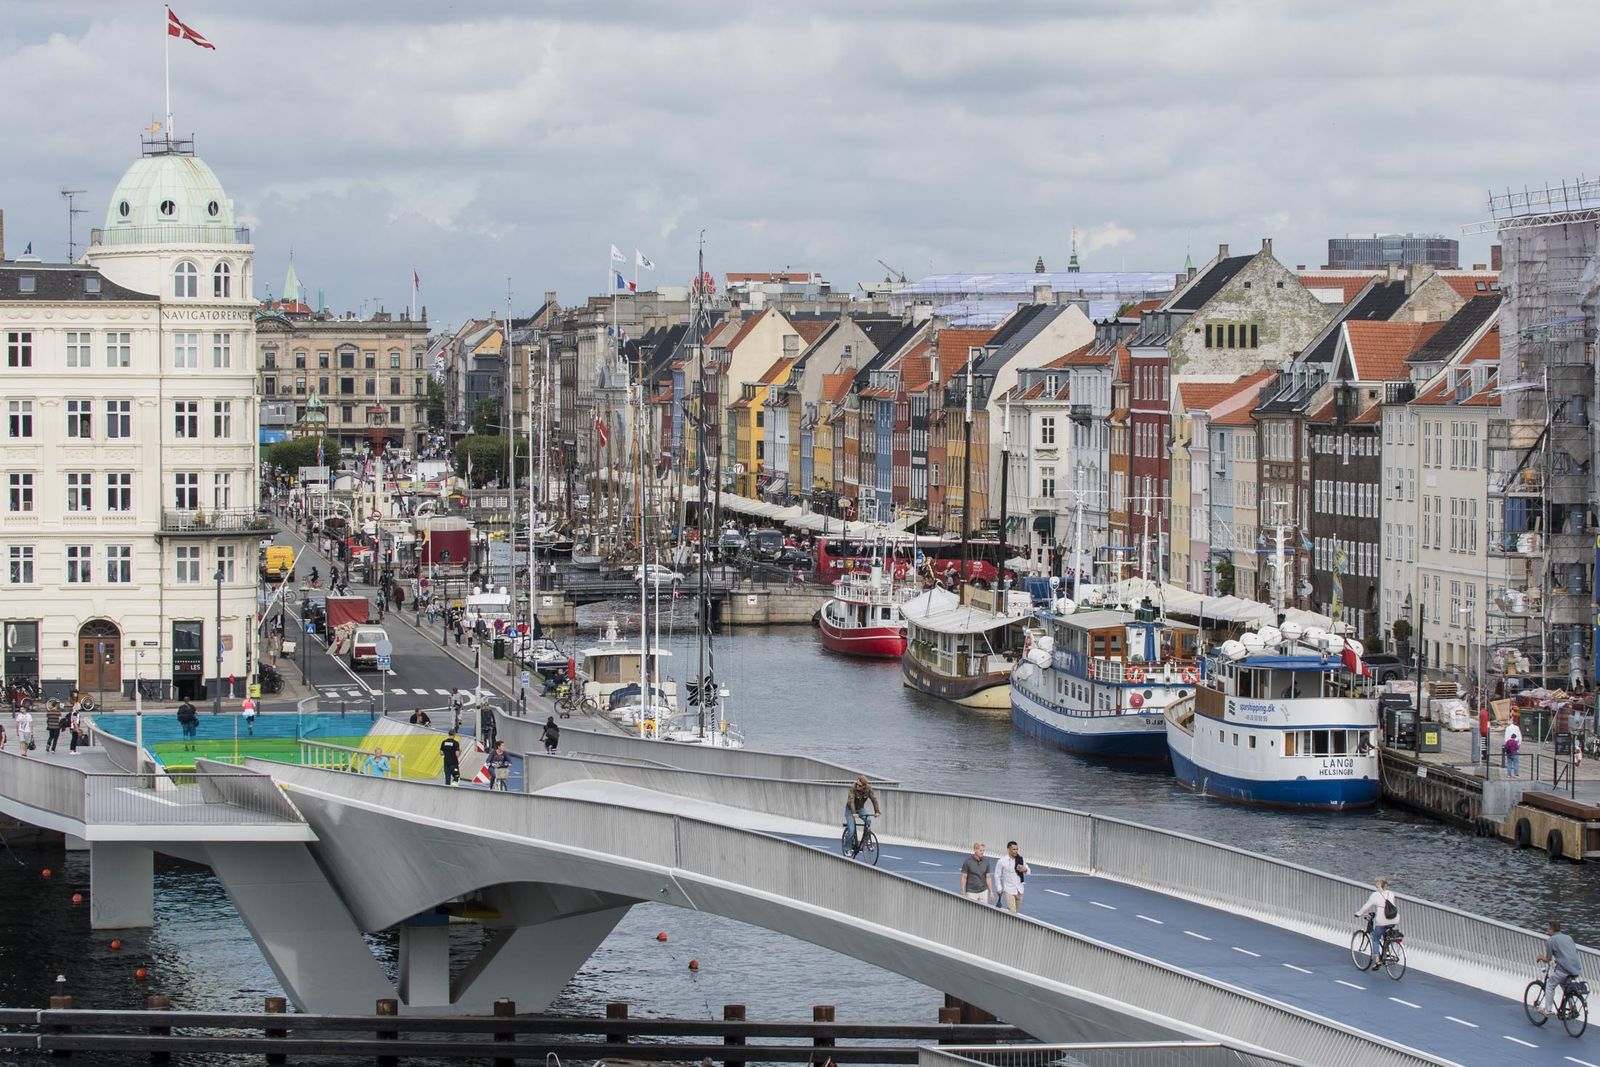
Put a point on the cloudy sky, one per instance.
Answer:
(476, 141)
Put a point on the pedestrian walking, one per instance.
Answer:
(74, 731)
(249, 711)
(24, 728)
(450, 749)
(1512, 747)
(977, 877)
(52, 725)
(1009, 873)
(551, 736)
(189, 721)
(457, 702)
(488, 730)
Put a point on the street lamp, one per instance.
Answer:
(216, 705)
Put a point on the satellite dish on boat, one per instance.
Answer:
(1065, 606)
(1251, 641)
(1314, 635)
(1234, 650)
(1271, 636)
(1292, 631)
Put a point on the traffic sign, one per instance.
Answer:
(311, 627)
(384, 648)
(527, 679)
(383, 662)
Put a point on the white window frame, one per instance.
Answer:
(187, 565)
(80, 348)
(186, 350)
(80, 491)
(119, 491)
(119, 564)
(20, 565)
(19, 420)
(79, 564)
(119, 349)
(185, 280)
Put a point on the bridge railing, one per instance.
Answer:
(222, 783)
(329, 757)
(122, 753)
(1277, 890)
(49, 787)
(129, 800)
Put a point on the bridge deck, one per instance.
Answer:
(1454, 1021)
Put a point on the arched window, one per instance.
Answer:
(185, 280)
(221, 281)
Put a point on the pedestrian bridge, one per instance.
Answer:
(1129, 932)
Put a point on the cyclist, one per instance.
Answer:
(550, 735)
(499, 764)
(855, 803)
(1381, 913)
(1561, 953)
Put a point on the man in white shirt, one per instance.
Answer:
(1512, 746)
(1008, 874)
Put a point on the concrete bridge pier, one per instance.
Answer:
(310, 940)
(121, 886)
(75, 843)
(425, 961)
(543, 935)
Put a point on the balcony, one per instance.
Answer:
(204, 523)
(197, 234)
(1080, 412)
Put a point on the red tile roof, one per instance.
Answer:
(1076, 358)
(768, 276)
(1240, 416)
(915, 369)
(1192, 395)
(810, 329)
(1488, 346)
(775, 370)
(721, 328)
(835, 387)
(1133, 311)
(1350, 284)
(1466, 283)
(1378, 350)
(953, 346)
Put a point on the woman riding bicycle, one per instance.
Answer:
(1382, 913)
(855, 803)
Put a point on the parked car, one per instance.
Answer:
(364, 646)
(765, 545)
(730, 543)
(1385, 667)
(657, 574)
(794, 559)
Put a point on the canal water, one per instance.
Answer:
(787, 694)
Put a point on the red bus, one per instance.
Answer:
(934, 559)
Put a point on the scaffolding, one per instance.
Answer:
(1541, 447)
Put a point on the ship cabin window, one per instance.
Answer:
(1276, 685)
(1321, 742)
(1252, 740)
(1235, 740)
(1107, 644)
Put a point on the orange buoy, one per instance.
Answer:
(77, 898)
(694, 965)
(45, 873)
(140, 974)
(116, 945)
(662, 936)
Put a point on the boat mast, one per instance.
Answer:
(1005, 471)
(966, 474)
(702, 602)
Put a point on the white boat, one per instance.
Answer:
(1281, 720)
(491, 607)
(1099, 682)
(963, 648)
(614, 663)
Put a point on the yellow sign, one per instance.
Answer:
(255, 689)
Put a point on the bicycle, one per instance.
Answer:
(1573, 1009)
(866, 844)
(1393, 956)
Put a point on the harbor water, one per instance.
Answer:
(787, 694)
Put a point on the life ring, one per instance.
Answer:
(1191, 675)
(1027, 642)
(1136, 675)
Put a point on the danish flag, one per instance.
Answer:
(175, 28)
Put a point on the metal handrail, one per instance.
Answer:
(324, 756)
(1107, 1054)
(49, 787)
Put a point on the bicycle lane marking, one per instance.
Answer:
(1518, 1040)
(1463, 1022)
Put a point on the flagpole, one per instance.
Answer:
(166, 37)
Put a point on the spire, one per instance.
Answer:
(1188, 260)
(1072, 264)
(1038, 265)
(292, 292)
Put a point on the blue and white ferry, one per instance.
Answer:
(1280, 720)
(1099, 681)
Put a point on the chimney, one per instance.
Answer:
(1041, 293)
(1391, 272)
(1300, 267)
(1419, 273)
(1222, 251)
(1494, 251)
(3, 235)
(1480, 266)
(1266, 245)
(922, 311)
(1189, 277)
(549, 296)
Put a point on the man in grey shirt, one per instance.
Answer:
(1562, 953)
(977, 879)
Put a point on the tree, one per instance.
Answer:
(1225, 577)
(290, 456)
(486, 417)
(488, 453)
(436, 411)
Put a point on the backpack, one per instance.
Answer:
(1512, 745)
(1389, 910)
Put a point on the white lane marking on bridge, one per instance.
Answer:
(1108, 907)
(1580, 1063)
(1147, 919)
(1058, 892)
(889, 857)
(442, 692)
(1246, 951)
(1518, 1040)
(145, 795)
(1202, 937)
(928, 863)
(1407, 1003)
(1302, 970)
(1463, 1022)
(1352, 985)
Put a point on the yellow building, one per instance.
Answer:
(747, 421)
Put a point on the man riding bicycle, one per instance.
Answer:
(1561, 953)
(855, 804)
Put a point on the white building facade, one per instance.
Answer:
(130, 449)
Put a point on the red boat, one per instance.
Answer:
(862, 618)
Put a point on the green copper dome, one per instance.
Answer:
(171, 198)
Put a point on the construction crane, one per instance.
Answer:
(895, 275)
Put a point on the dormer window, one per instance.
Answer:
(221, 280)
(168, 208)
(185, 280)
(91, 283)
